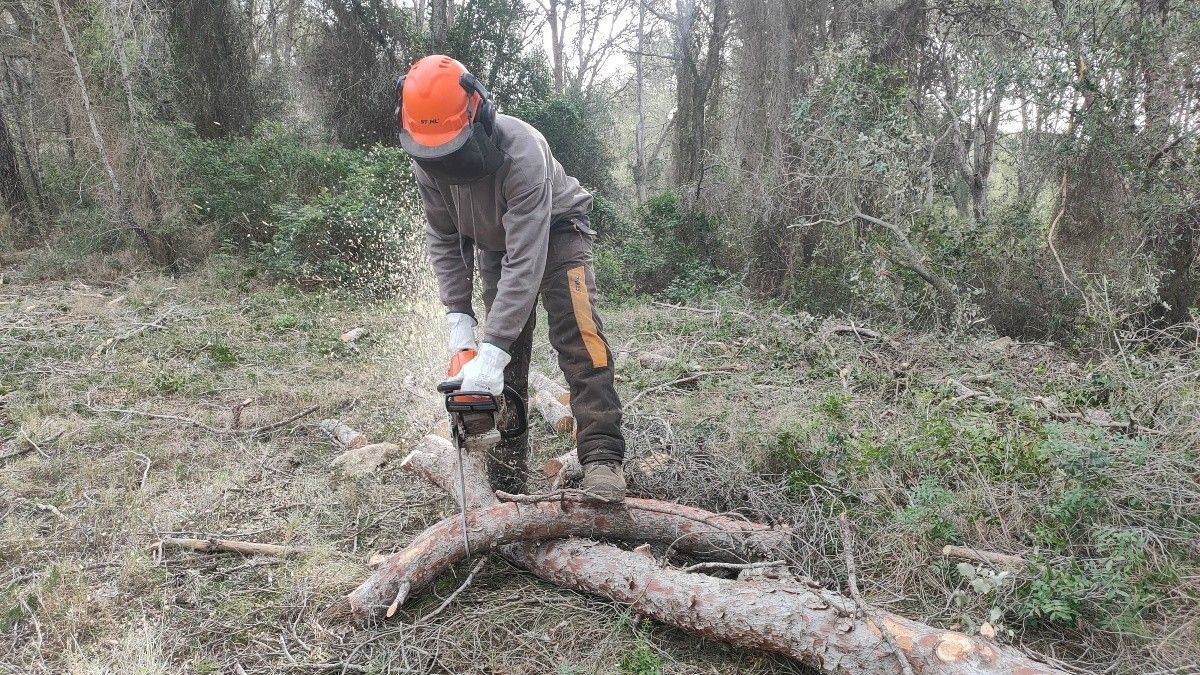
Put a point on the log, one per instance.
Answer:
(344, 434)
(563, 469)
(813, 628)
(553, 401)
(436, 460)
(365, 460)
(680, 528)
(989, 558)
(557, 415)
(213, 545)
(779, 616)
(541, 382)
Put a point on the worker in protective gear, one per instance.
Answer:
(495, 198)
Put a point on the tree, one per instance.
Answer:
(700, 29)
(584, 37)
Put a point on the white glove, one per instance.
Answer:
(485, 372)
(462, 331)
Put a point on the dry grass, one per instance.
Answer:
(81, 591)
(800, 424)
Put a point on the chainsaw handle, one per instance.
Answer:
(483, 401)
(522, 413)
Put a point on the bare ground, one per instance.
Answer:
(793, 422)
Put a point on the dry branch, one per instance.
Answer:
(213, 545)
(990, 558)
(254, 431)
(852, 581)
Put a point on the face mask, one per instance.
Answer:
(478, 158)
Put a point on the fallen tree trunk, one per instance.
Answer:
(785, 617)
(679, 528)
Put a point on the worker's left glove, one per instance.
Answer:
(485, 372)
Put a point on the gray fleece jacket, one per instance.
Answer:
(511, 212)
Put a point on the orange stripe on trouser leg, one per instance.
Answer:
(582, 306)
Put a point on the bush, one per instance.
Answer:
(364, 234)
(668, 249)
(234, 184)
(311, 213)
(572, 128)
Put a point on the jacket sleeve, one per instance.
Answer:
(526, 239)
(452, 258)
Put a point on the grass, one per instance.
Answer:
(800, 425)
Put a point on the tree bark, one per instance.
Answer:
(12, 189)
(639, 137)
(809, 626)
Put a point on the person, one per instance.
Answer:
(496, 198)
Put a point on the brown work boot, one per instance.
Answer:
(604, 480)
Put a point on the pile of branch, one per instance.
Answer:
(554, 536)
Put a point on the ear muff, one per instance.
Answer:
(400, 101)
(486, 112)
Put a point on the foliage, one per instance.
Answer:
(488, 37)
(668, 248)
(235, 184)
(365, 233)
(572, 128)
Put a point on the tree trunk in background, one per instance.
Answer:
(555, 22)
(987, 124)
(289, 38)
(120, 204)
(439, 22)
(694, 82)
(213, 49)
(12, 189)
(639, 137)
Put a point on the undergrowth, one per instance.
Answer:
(1087, 470)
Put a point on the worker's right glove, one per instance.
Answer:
(462, 331)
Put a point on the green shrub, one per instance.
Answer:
(234, 184)
(365, 233)
(642, 661)
(572, 128)
(667, 249)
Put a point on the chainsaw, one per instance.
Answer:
(475, 418)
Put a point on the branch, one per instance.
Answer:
(852, 582)
(214, 545)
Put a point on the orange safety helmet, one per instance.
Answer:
(437, 102)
